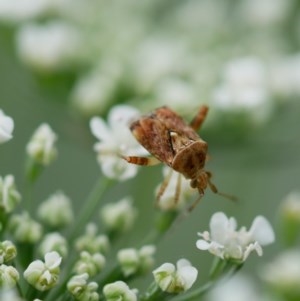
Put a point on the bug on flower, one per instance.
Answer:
(172, 141)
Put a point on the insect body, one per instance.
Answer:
(174, 142)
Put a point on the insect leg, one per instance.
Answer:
(164, 185)
(195, 203)
(178, 189)
(141, 160)
(199, 118)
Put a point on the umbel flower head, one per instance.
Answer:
(177, 279)
(228, 243)
(115, 139)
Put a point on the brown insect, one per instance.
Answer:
(174, 142)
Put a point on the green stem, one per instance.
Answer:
(195, 294)
(89, 208)
(90, 205)
(155, 293)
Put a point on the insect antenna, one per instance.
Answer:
(214, 189)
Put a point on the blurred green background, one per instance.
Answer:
(258, 164)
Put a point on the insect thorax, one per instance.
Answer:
(191, 159)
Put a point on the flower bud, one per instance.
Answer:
(81, 289)
(9, 276)
(9, 196)
(56, 211)
(24, 228)
(8, 251)
(91, 264)
(120, 291)
(44, 275)
(6, 127)
(54, 242)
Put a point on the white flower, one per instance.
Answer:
(10, 294)
(8, 251)
(285, 76)
(6, 127)
(41, 146)
(120, 291)
(54, 242)
(244, 89)
(283, 273)
(290, 207)
(91, 264)
(79, 287)
(56, 211)
(132, 260)
(116, 140)
(227, 243)
(17, 11)
(44, 275)
(9, 196)
(177, 279)
(119, 216)
(237, 288)
(9, 276)
(47, 47)
(94, 90)
(167, 201)
(91, 242)
(24, 228)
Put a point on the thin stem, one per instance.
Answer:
(90, 205)
(195, 294)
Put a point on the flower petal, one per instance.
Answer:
(202, 244)
(262, 231)
(99, 129)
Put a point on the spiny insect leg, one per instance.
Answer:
(196, 202)
(146, 161)
(199, 118)
(164, 185)
(178, 189)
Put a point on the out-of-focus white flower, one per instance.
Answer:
(236, 288)
(176, 93)
(9, 276)
(91, 264)
(263, 12)
(132, 260)
(283, 274)
(92, 242)
(156, 58)
(120, 291)
(44, 275)
(41, 146)
(24, 228)
(79, 287)
(119, 216)
(168, 200)
(227, 243)
(93, 91)
(54, 242)
(177, 279)
(6, 126)
(8, 251)
(285, 76)
(56, 211)
(11, 295)
(290, 207)
(47, 47)
(9, 196)
(116, 140)
(14, 10)
(244, 89)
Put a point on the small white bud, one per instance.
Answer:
(6, 127)
(120, 291)
(9, 276)
(9, 196)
